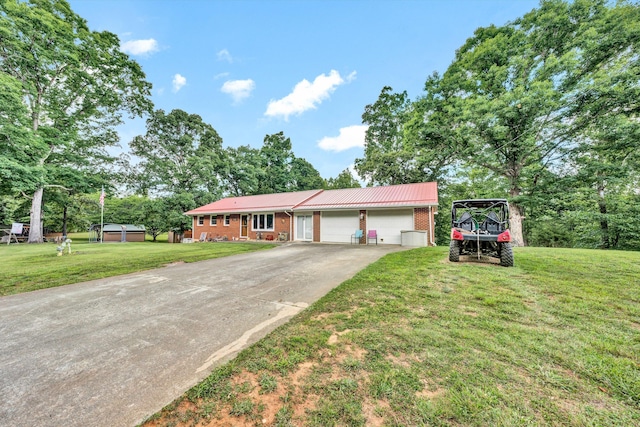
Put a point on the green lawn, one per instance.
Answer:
(415, 340)
(28, 267)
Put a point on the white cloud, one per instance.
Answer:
(224, 55)
(350, 137)
(178, 82)
(238, 89)
(140, 47)
(306, 95)
(220, 75)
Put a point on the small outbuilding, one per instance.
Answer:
(123, 233)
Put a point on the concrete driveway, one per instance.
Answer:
(111, 352)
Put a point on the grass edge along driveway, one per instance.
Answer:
(416, 340)
(28, 267)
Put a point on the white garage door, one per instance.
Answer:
(338, 226)
(389, 223)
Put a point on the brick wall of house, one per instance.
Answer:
(316, 226)
(281, 223)
(423, 220)
(363, 226)
(231, 231)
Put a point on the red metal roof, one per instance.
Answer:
(259, 203)
(414, 195)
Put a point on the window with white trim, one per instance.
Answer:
(200, 219)
(214, 220)
(227, 219)
(262, 222)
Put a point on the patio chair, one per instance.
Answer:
(356, 237)
(372, 234)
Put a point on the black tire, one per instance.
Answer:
(454, 251)
(506, 255)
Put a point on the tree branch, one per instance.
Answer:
(58, 186)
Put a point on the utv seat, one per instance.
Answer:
(492, 224)
(465, 222)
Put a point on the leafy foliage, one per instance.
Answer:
(243, 171)
(547, 100)
(388, 159)
(344, 179)
(304, 176)
(179, 153)
(276, 159)
(74, 86)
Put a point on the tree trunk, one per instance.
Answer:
(35, 227)
(516, 217)
(64, 220)
(604, 223)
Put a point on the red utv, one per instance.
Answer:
(481, 228)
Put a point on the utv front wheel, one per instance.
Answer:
(454, 251)
(506, 255)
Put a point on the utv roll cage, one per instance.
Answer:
(490, 216)
(481, 227)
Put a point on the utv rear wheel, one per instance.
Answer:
(454, 251)
(506, 255)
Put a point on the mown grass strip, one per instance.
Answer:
(29, 267)
(416, 340)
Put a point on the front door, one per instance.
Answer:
(304, 227)
(244, 225)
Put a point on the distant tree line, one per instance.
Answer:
(542, 111)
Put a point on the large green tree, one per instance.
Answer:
(179, 153)
(18, 147)
(304, 176)
(344, 179)
(276, 158)
(606, 166)
(387, 158)
(75, 85)
(407, 141)
(527, 91)
(176, 205)
(155, 218)
(243, 171)
(271, 169)
(604, 107)
(508, 99)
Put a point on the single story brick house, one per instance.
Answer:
(331, 216)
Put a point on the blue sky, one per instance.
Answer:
(307, 68)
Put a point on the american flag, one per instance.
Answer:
(102, 197)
